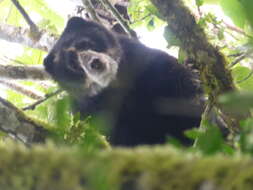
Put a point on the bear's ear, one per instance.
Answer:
(75, 23)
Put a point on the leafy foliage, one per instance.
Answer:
(47, 17)
(240, 11)
(144, 13)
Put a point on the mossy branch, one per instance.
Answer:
(211, 64)
(143, 168)
(23, 72)
(88, 5)
(117, 16)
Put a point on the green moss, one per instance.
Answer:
(159, 168)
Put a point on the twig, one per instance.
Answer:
(204, 118)
(88, 5)
(35, 33)
(21, 89)
(245, 78)
(8, 60)
(115, 13)
(235, 54)
(47, 96)
(235, 29)
(241, 57)
(141, 19)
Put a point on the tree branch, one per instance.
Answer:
(34, 31)
(20, 89)
(236, 29)
(23, 72)
(15, 123)
(115, 13)
(88, 5)
(34, 105)
(21, 36)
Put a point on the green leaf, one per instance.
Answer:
(193, 133)
(62, 112)
(9, 14)
(243, 77)
(246, 136)
(248, 8)
(228, 149)
(151, 25)
(182, 56)
(174, 142)
(18, 99)
(199, 2)
(235, 10)
(31, 56)
(144, 13)
(221, 34)
(237, 102)
(40, 7)
(210, 140)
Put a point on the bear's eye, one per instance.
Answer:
(97, 65)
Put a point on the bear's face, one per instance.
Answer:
(85, 59)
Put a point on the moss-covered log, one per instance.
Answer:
(143, 168)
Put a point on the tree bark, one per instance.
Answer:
(15, 123)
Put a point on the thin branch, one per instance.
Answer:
(21, 89)
(23, 72)
(245, 78)
(35, 33)
(115, 13)
(236, 29)
(21, 36)
(241, 57)
(141, 19)
(88, 5)
(47, 96)
(205, 117)
(235, 54)
(15, 123)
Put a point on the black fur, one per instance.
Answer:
(151, 98)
